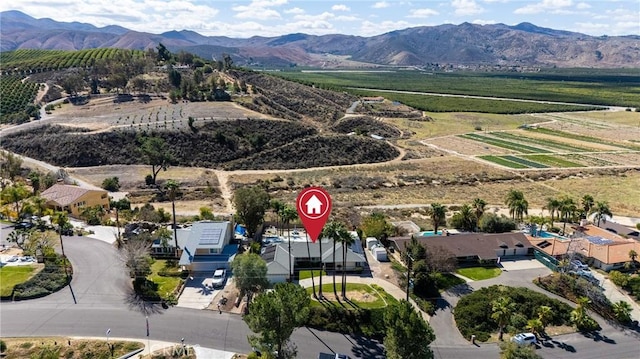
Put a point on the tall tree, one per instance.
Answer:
(250, 274)
(136, 258)
(289, 214)
(502, 309)
(34, 177)
(10, 166)
(407, 335)
(602, 212)
(156, 154)
(335, 231)
(62, 221)
(15, 194)
(347, 241)
(552, 205)
(587, 204)
(172, 187)
(251, 204)
(633, 255)
(465, 219)
(567, 210)
(277, 206)
(275, 315)
(438, 213)
(479, 206)
(376, 225)
(518, 205)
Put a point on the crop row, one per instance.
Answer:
(433, 103)
(16, 96)
(584, 138)
(602, 87)
(524, 162)
(503, 162)
(45, 60)
(553, 161)
(590, 160)
(543, 142)
(504, 144)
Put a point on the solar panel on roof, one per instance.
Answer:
(544, 244)
(210, 236)
(599, 240)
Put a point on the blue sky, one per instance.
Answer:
(354, 17)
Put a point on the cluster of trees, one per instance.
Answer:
(569, 210)
(424, 265)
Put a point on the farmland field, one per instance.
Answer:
(602, 87)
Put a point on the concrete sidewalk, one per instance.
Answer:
(388, 287)
(615, 294)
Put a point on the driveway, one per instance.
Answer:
(198, 293)
(99, 276)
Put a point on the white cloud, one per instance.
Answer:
(258, 9)
(347, 18)
(543, 6)
(309, 17)
(422, 13)
(369, 28)
(484, 22)
(466, 7)
(295, 10)
(583, 6)
(340, 7)
(381, 5)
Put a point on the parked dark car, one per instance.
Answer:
(23, 225)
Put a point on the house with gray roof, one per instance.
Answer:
(277, 256)
(208, 247)
(473, 247)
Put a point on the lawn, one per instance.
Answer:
(305, 274)
(445, 281)
(359, 295)
(479, 273)
(166, 284)
(10, 276)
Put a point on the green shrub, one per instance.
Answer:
(367, 322)
(473, 312)
(619, 279)
(3, 346)
(425, 305)
(50, 279)
(111, 184)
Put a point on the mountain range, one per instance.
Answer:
(524, 44)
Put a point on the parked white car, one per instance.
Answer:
(219, 277)
(524, 339)
(576, 264)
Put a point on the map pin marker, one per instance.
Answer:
(314, 206)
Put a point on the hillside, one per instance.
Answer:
(524, 44)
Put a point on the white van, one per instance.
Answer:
(524, 339)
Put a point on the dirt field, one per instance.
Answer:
(466, 147)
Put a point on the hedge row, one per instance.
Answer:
(367, 322)
(51, 279)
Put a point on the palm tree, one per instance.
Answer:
(335, 231)
(347, 240)
(622, 311)
(633, 255)
(587, 203)
(61, 220)
(289, 214)
(535, 326)
(469, 219)
(172, 188)
(40, 205)
(313, 281)
(479, 206)
(552, 206)
(579, 314)
(518, 205)
(501, 309)
(545, 315)
(277, 207)
(602, 211)
(438, 214)
(567, 209)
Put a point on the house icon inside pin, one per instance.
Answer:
(314, 205)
